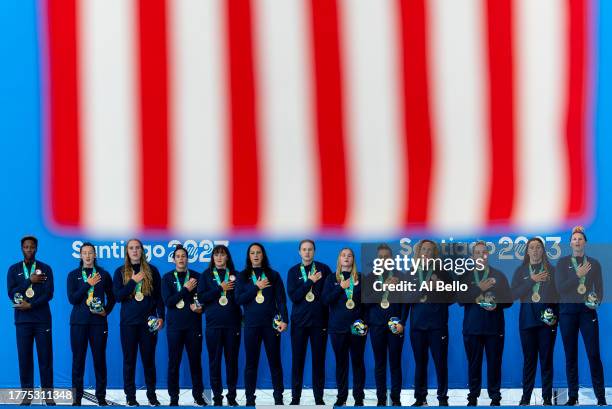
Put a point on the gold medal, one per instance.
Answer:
(310, 296)
(259, 299)
(30, 292)
(384, 304)
(581, 289)
(535, 297)
(223, 300)
(350, 304)
(180, 305)
(423, 298)
(139, 296)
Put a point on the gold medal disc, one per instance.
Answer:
(223, 300)
(384, 304)
(30, 292)
(310, 296)
(139, 296)
(581, 289)
(535, 297)
(350, 304)
(180, 305)
(259, 299)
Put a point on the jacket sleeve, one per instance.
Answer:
(14, 284)
(331, 292)
(598, 280)
(122, 291)
(208, 289)
(246, 291)
(108, 291)
(506, 292)
(521, 286)
(157, 296)
(281, 298)
(404, 314)
(77, 292)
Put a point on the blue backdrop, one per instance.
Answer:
(20, 213)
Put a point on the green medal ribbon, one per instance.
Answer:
(218, 279)
(26, 272)
(91, 287)
(536, 286)
(427, 277)
(385, 297)
(349, 291)
(575, 264)
(313, 270)
(177, 282)
(484, 276)
(254, 277)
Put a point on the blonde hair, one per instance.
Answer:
(128, 271)
(339, 276)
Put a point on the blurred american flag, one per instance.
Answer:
(295, 117)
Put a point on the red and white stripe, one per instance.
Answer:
(293, 117)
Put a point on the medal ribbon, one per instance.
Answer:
(91, 287)
(575, 264)
(313, 270)
(27, 273)
(427, 277)
(536, 286)
(349, 291)
(254, 278)
(484, 276)
(177, 282)
(218, 279)
(385, 296)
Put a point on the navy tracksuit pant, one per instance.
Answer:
(345, 345)
(27, 334)
(385, 345)
(436, 342)
(96, 337)
(253, 338)
(191, 341)
(223, 342)
(493, 347)
(588, 325)
(538, 341)
(318, 346)
(133, 338)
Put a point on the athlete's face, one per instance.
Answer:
(28, 248)
(307, 252)
(180, 260)
(346, 259)
(134, 250)
(578, 242)
(88, 256)
(427, 250)
(256, 256)
(535, 251)
(384, 254)
(220, 259)
(480, 251)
